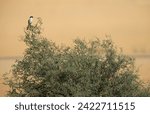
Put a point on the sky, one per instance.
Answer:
(126, 21)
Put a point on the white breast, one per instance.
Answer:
(31, 19)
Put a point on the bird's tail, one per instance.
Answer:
(27, 27)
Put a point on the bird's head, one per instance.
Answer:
(31, 16)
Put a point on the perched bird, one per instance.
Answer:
(29, 22)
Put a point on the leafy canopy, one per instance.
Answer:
(94, 68)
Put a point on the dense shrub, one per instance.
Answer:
(94, 68)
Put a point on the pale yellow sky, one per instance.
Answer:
(128, 22)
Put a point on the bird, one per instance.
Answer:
(30, 22)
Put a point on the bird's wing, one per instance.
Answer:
(29, 22)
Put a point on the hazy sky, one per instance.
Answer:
(128, 22)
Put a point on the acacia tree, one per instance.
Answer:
(94, 68)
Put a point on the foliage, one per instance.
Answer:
(94, 68)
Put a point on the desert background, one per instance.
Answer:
(127, 22)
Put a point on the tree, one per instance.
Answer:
(94, 68)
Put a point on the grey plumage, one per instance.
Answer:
(29, 22)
